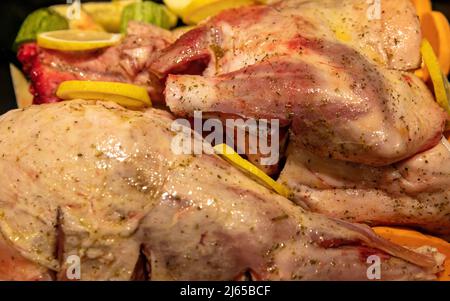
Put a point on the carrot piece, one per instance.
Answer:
(414, 239)
(422, 6)
(436, 30)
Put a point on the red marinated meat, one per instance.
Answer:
(127, 62)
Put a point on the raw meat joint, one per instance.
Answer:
(364, 132)
(124, 192)
(49, 68)
(100, 182)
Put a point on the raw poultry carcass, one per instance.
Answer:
(126, 62)
(414, 192)
(338, 79)
(102, 183)
(321, 66)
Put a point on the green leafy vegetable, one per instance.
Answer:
(149, 12)
(41, 20)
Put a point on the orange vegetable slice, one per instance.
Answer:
(422, 6)
(436, 29)
(414, 239)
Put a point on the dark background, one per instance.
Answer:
(13, 12)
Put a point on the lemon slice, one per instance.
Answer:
(231, 156)
(127, 95)
(77, 40)
(439, 80)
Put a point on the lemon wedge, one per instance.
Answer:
(80, 20)
(21, 87)
(231, 156)
(200, 13)
(77, 40)
(194, 11)
(108, 14)
(439, 80)
(183, 7)
(127, 95)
